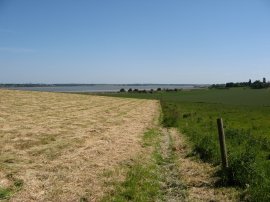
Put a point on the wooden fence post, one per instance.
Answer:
(222, 143)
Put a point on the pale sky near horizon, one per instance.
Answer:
(139, 41)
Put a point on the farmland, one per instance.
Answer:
(70, 147)
(246, 115)
(59, 147)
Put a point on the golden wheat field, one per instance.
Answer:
(57, 147)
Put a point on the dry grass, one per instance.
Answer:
(60, 145)
(199, 176)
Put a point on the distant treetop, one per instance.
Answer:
(255, 85)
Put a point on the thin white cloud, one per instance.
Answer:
(16, 50)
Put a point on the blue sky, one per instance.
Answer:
(134, 41)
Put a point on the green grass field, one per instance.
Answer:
(246, 115)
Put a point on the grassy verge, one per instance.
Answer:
(248, 148)
(248, 145)
(146, 177)
(143, 179)
(246, 115)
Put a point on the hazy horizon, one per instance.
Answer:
(106, 83)
(134, 42)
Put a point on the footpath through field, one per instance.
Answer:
(197, 178)
(169, 173)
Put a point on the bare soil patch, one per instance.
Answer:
(59, 145)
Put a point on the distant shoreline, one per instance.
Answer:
(75, 84)
(97, 87)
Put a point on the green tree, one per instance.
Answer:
(122, 90)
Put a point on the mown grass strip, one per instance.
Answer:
(143, 180)
(142, 184)
(151, 179)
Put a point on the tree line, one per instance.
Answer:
(257, 84)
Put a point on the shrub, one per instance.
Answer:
(122, 90)
(171, 115)
(207, 149)
(186, 115)
(241, 171)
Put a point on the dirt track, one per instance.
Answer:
(60, 145)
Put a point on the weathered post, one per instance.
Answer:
(222, 143)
